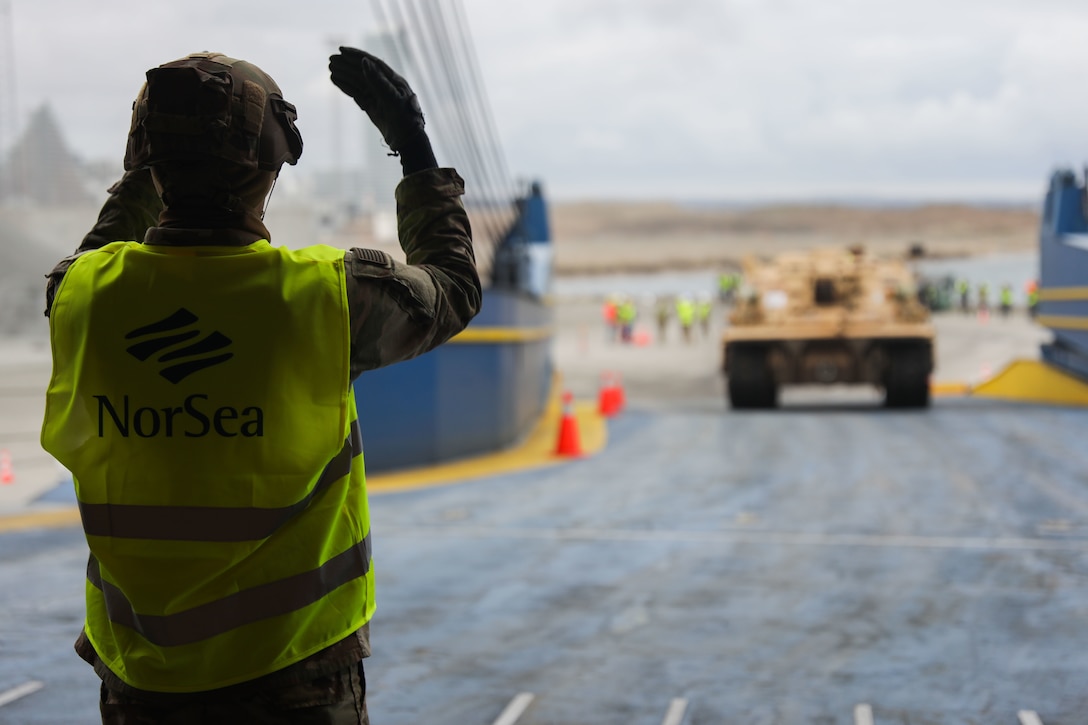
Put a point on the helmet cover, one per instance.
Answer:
(210, 106)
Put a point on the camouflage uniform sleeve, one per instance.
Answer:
(398, 310)
(133, 205)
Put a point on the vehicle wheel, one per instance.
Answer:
(914, 395)
(750, 381)
(907, 381)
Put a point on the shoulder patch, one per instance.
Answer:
(369, 263)
(372, 256)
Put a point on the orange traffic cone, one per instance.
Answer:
(606, 396)
(610, 399)
(7, 473)
(621, 397)
(570, 442)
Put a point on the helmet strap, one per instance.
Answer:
(268, 197)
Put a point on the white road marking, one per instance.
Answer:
(748, 536)
(1028, 717)
(515, 709)
(863, 714)
(27, 688)
(675, 713)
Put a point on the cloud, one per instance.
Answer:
(823, 96)
(649, 97)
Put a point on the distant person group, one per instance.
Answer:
(693, 315)
(981, 303)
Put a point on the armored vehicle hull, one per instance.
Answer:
(827, 317)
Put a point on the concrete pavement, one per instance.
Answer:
(779, 567)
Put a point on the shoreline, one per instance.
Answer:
(675, 267)
(643, 262)
(594, 238)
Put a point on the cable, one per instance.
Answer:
(479, 93)
(434, 45)
(453, 78)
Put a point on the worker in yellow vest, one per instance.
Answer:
(963, 289)
(703, 310)
(626, 314)
(662, 312)
(685, 315)
(1005, 299)
(201, 397)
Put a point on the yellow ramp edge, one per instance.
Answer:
(537, 450)
(1035, 382)
(942, 389)
(58, 518)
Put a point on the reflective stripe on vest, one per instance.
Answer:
(201, 399)
(231, 612)
(208, 523)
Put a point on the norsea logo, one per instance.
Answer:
(192, 418)
(169, 333)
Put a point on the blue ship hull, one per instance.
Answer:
(486, 388)
(1063, 273)
(478, 393)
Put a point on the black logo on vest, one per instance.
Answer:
(169, 333)
(195, 416)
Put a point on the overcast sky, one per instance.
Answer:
(684, 99)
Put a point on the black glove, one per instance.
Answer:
(385, 96)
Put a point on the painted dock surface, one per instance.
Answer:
(828, 562)
(780, 567)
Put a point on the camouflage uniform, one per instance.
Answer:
(397, 311)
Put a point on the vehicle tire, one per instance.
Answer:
(750, 381)
(907, 381)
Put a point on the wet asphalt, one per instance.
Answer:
(814, 564)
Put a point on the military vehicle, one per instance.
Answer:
(828, 316)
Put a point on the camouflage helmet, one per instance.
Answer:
(210, 106)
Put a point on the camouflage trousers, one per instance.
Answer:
(339, 699)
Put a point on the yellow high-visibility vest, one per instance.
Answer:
(685, 311)
(201, 398)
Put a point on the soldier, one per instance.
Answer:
(685, 315)
(1005, 299)
(626, 314)
(703, 309)
(727, 284)
(201, 396)
(662, 313)
(610, 314)
(964, 290)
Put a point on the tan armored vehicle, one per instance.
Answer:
(828, 316)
